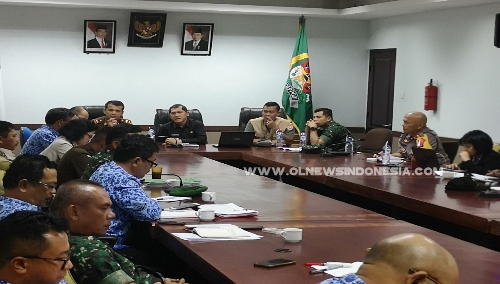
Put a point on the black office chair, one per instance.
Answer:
(94, 111)
(451, 149)
(375, 139)
(162, 117)
(248, 113)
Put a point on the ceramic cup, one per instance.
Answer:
(292, 235)
(173, 182)
(447, 174)
(208, 196)
(206, 214)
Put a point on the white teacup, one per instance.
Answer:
(208, 196)
(173, 182)
(448, 174)
(292, 235)
(206, 214)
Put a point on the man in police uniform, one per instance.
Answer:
(265, 127)
(113, 111)
(323, 130)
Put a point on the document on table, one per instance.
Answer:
(290, 149)
(229, 210)
(217, 232)
(178, 214)
(339, 272)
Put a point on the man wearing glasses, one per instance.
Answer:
(43, 136)
(34, 248)
(29, 184)
(405, 258)
(132, 160)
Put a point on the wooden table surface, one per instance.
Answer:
(333, 230)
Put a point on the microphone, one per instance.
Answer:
(176, 176)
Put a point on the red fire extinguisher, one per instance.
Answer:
(431, 96)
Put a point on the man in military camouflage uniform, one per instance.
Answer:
(87, 208)
(113, 138)
(113, 111)
(322, 130)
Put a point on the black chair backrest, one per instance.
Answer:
(451, 149)
(248, 113)
(162, 116)
(94, 111)
(375, 139)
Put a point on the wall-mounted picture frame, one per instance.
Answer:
(99, 36)
(146, 29)
(197, 39)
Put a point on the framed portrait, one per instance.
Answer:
(99, 36)
(146, 29)
(197, 39)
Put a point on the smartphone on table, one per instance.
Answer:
(274, 262)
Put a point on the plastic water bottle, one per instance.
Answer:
(349, 144)
(302, 139)
(279, 138)
(151, 133)
(386, 153)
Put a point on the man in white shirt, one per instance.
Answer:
(100, 41)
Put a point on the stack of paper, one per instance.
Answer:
(229, 210)
(178, 214)
(216, 232)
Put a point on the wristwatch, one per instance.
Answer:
(313, 128)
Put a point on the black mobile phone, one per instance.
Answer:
(275, 262)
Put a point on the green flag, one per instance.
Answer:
(297, 100)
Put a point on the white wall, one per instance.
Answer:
(456, 48)
(43, 65)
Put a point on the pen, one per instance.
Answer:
(317, 271)
(313, 263)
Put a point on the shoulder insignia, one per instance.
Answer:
(289, 127)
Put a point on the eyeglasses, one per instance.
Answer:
(153, 164)
(49, 186)
(432, 279)
(64, 260)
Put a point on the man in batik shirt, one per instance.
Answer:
(29, 184)
(45, 135)
(132, 159)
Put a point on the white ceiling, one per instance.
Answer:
(366, 12)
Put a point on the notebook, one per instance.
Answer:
(235, 139)
(425, 158)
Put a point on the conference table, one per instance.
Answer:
(333, 230)
(420, 199)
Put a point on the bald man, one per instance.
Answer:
(416, 133)
(404, 259)
(86, 207)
